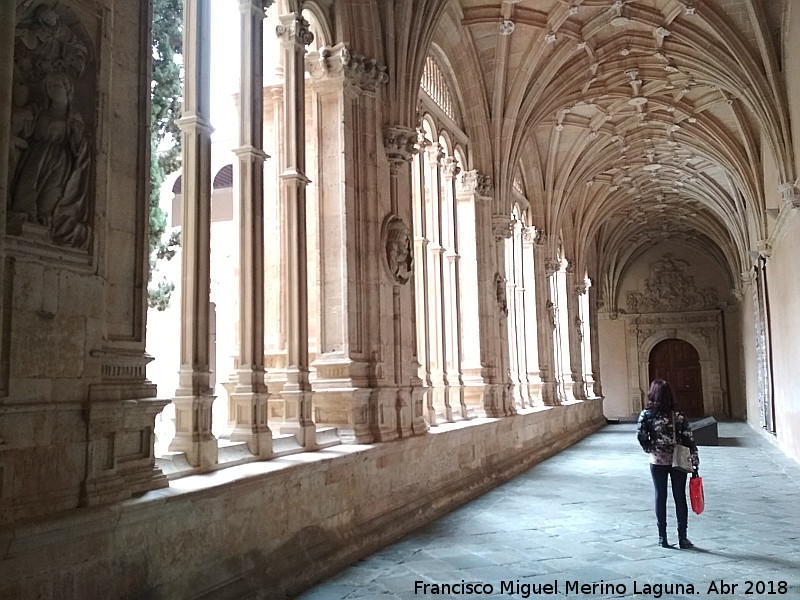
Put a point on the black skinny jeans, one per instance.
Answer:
(659, 474)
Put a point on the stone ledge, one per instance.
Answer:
(278, 525)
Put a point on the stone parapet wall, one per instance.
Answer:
(270, 529)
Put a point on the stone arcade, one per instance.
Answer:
(469, 231)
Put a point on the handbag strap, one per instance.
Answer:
(674, 432)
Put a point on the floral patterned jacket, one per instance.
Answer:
(655, 435)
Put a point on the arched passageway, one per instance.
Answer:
(678, 362)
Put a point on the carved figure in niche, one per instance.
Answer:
(399, 258)
(551, 314)
(51, 151)
(500, 293)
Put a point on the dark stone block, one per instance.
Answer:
(705, 431)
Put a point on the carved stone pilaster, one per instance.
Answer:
(364, 73)
(789, 194)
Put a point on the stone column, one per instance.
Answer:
(249, 397)
(451, 290)
(503, 402)
(584, 308)
(437, 334)
(478, 303)
(295, 35)
(400, 145)
(594, 306)
(575, 331)
(7, 37)
(545, 320)
(194, 396)
(533, 377)
(421, 276)
(344, 90)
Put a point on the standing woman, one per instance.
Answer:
(660, 426)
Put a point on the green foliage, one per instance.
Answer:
(166, 90)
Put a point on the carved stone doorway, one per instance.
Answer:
(677, 362)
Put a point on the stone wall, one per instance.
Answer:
(279, 526)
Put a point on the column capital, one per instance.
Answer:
(529, 234)
(294, 29)
(472, 182)
(450, 167)
(580, 288)
(362, 72)
(248, 151)
(400, 144)
(570, 268)
(433, 153)
(502, 227)
(789, 196)
(551, 266)
(256, 8)
(194, 122)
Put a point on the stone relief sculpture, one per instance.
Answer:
(670, 289)
(500, 294)
(51, 151)
(399, 257)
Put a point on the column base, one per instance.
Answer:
(306, 435)
(120, 461)
(193, 434)
(418, 423)
(383, 415)
(341, 397)
(297, 417)
(249, 413)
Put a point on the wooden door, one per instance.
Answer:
(678, 363)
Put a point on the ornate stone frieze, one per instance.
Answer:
(52, 122)
(400, 144)
(396, 240)
(670, 289)
(362, 72)
(294, 29)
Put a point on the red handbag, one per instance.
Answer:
(696, 494)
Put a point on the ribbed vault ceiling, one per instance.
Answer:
(636, 121)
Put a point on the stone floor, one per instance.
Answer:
(586, 516)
